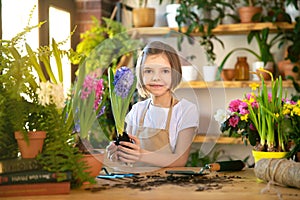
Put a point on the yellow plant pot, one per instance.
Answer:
(143, 17)
(261, 154)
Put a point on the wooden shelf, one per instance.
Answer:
(243, 28)
(223, 29)
(227, 84)
(217, 139)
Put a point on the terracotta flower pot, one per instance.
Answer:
(34, 146)
(286, 69)
(265, 75)
(298, 157)
(143, 17)
(228, 74)
(94, 163)
(246, 13)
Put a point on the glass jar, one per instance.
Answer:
(241, 69)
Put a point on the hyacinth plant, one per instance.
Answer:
(91, 104)
(121, 88)
(261, 118)
(88, 101)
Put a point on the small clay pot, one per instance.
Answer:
(265, 75)
(94, 163)
(228, 74)
(268, 67)
(286, 69)
(34, 145)
(246, 13)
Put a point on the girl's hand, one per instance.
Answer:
(111, 150)
(129, 152)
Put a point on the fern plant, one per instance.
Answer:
(8, 144)
(189, 18)
(20, 108)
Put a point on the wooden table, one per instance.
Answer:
(245, 186)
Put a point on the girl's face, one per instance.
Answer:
(157, 74)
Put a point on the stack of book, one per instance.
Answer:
(24, 177)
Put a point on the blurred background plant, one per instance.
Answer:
(106, 44)
(32, 97)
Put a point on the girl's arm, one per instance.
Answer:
(158, 158)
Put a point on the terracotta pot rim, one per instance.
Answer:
(36, 134)
(250, 7)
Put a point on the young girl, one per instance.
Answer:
(161, 127)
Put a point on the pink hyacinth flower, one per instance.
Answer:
(234, 120)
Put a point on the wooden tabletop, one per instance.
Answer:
(237, 185)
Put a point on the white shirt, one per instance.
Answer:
(184, 115)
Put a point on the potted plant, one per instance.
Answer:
(171, 13)
(265, 45)
(266, 119)
(19, 86)
(293, 52)
(276, 11)
(104, 45)
(289, 66)
(11, 86)
(292, 8)
(33, 103)
(87, 104)
(189, 22)
(143, 16)
(122, 85)
(250, 11)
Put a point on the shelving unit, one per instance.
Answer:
(219, 140)
(223, 29)
(228, 84)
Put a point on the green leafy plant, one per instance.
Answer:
(294, 52)
(22, 109)
(266, 118)
(264, 44)
(101, 47)
(190, 22)
(16, 83)
(87, 104)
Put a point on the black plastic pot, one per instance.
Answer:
(124, 137)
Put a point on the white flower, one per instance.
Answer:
(221, 115)
(50, 93)
(58, 97)
(43, 93)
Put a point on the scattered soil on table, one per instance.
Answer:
(149, 182)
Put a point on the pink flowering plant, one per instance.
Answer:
(263, 117)
(88, 102)
(122, 85)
